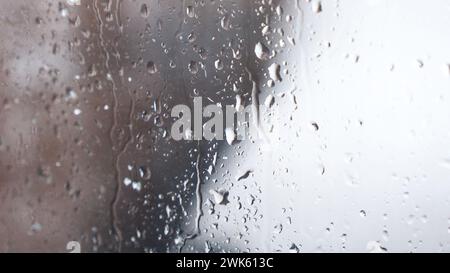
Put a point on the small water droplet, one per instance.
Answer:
(190, 11)
(193, 67)
(316, 6)
(278, 228)
(294, 249)
(74, 2)
(261, 51)
(219, 196)
(151, 67)
(77, 111)
(225, 22)
(218, 64)
(269, 101)
(144, 10)
(230, 135)
(145, 173)
(274, 72)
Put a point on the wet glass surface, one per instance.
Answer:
(350, 101)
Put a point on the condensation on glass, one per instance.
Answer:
(354, 154)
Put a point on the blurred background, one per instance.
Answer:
(356, 149)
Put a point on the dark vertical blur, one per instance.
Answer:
(86, 92)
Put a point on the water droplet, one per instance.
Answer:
(71, 94)
(145, 173)
(294, 249)
(245, 175)
(218, 64)
(278, 228)
(316, 6)
(225, 22)
(190, 11)
(35, 228)
(77, 111)
(127, 181)
(261, 51)
(420, 63)
(265, 30)
(230, 135)
(274, 72)
(268, 102)
(151, 67)
(362, 213)
(137, 186)
(375, 247)
(238, 104)
(219, 196)
(74, 2)
(144, 10)
(193, 67)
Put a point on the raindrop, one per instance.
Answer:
(274, 72)
(420, 63)
(278, 228)
(144, 173)
(151, 67)
(316, 6)
(127, 181)
(219, 196)
(137, 186)
(190, 11)
(362, 213)
(269, 101)
(225, 22)
(294, 249)
(144, 10)
(261, 51)
(74, 2)
(193, 67)
(375, 247)
(77, 111)
(230, 135)
(218, 64)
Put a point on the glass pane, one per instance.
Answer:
(338, 144)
